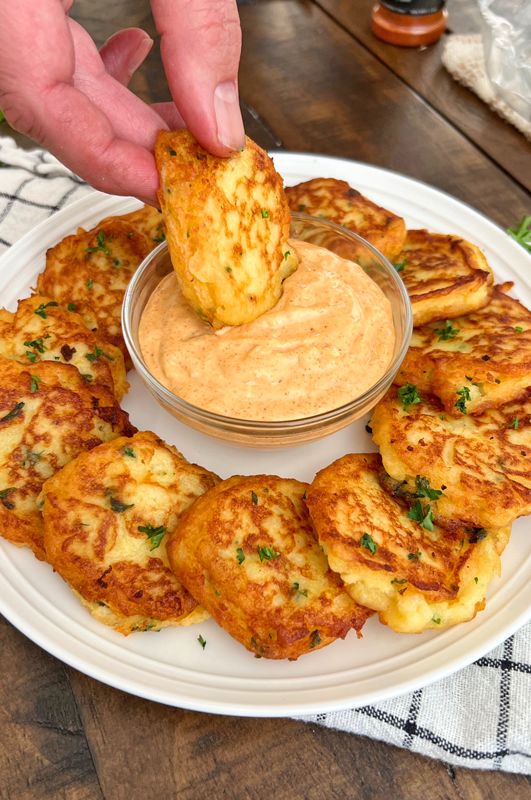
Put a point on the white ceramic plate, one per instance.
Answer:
(170, 666)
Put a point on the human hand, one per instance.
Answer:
(56, 88)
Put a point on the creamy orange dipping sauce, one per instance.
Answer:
(329, 339)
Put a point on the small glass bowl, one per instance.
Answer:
(294, 431)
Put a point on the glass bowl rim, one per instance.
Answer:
(269, 426)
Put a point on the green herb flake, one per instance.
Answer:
(446, 333)
(159, 239)
(96, 354)
(409, 395)
(16, 411)
(128, 451)
(287, 255)
(424, 489)
(368, 542)
(315, 639)
(521, 232)
(414, 556)
(464, 397)
(518, 329)
(476, 535)
(228, 269)
(41, 310)
(267, 553)
(101, 247)
(71, 307)
(240, 555)
(154, 534)
(90, 283)
(436, 619)
(201, 641)
(31, 356)
(35, 380)
(4, 495)
(421, 514)
(265, 213)
(87, 377)
(37, 344)
(399, 581)
(116, 262)
(295, 588)
(118, 506)
(515, 423)
(400, 265)
(254, 498)
(476, 580)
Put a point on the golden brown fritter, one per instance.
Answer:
(416, 577)
(107, 519)
(94, 268)
(247, 552)
(48, 415)
(482, 463)
(486, 354)
(445, 276)
(227, 223)
(41, 329)
(146, 220)
(338, 202)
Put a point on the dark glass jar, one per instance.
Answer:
(409, 23)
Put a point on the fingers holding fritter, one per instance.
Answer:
(42, 329)
(445, 276)
(94, 267)
(108, 516)
(478, 361)
(416, 576)
(48, 415)
(338, 202)
(481, 464)
(227, 223)
(248, 553)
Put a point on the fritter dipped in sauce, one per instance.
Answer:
(329, 338)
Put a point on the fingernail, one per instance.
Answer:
(228, 116)
(140, 53)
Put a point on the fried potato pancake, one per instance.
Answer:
(445, 276)
(107, 518)
(227, 223)
(338, 202)
(48, 415)
(146, 220)
(485, 356)
(41, 329)
(416, 579)
(481, 464)
(247, 552)
(94, 267)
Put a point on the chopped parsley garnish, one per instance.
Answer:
(97, 353)
(448, 332)
(118, 506)
(201, 641)
(267, 553)
(436, 619)
(315, 639)
(409, 395)
(159, 239)
(287, 255)
(16, 411)
(71, 307)
(515, 424)
(154, 534)
(518, 329)
(424, 489)
(421, 514)
(476, 535)
(116, 262)
(464, 397)
(31, 356)
(265, 213)
(35, 380)
(369, 543)
(240, 555)
(87, 377)
(41, 310)
(254, 498)
(128, 451)
(31, 458)
(476, 580)
(414, 556)
(101, 246)
(37, 344)
(228, 269)
(297, 590)
(399, 265)
(4, 494)
(522, 232)
(90, 283)
(399, 581)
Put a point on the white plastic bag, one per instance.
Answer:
(507, 46)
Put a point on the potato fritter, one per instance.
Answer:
(48, 415)
(484, 357)
(338, 202)
(445, 276)
(94, 267)
(227, 223)
(417, 577)
(147, 220)
(107, 518)
(41, 329)
(248, 553)
(481, 464)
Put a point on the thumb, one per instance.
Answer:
(200, 49)
(124, 52)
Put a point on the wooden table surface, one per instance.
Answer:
(312, 79)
